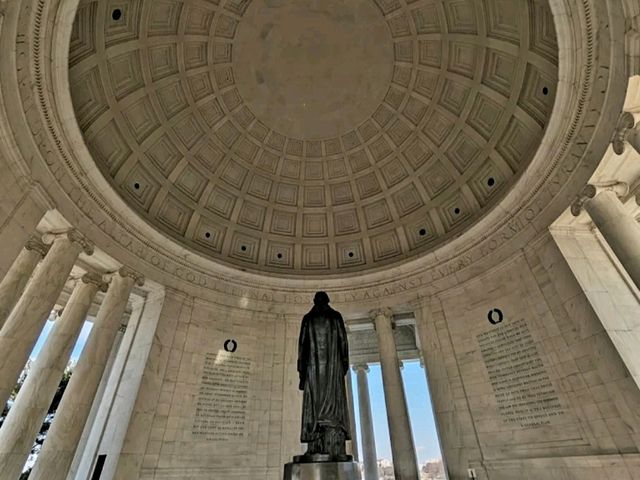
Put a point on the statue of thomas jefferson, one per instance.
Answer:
(323, 361)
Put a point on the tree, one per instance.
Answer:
(35, 449)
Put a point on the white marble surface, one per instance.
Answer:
(20, 332)
(25, 418)
(64, 434)
(405, 464)
(619, 228)
(86, 454)
(148, 430)
(370, 456)
(15, 280)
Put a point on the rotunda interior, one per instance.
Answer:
(462, 177)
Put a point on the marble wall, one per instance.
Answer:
(189, 375)
(21, 208)
(543, 393)
(611, 293)
(570, 407)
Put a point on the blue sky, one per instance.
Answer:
(77, 349)
(420, 412)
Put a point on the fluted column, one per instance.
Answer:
(617, 225)
(20, 333)
(405, 464)
(32, 403)
(64, 434)
(16, 279)
(369, 455)
(352, 418)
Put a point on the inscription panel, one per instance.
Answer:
(221, 407)
(523, 390)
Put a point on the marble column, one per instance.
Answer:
(66, 430)
(20, 333)
(16, 279)
(370, 457)
(618, 227)
(32, 403)
(352, 418)
(405, 464)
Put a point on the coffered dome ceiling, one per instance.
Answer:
(312, 136)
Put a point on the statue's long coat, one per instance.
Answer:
(323, 361)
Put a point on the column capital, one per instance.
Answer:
(381, 312)
(37, 245)
(138, 279)
(361, 366)
(74, 236)
(92, 278)
(592, 189)
(383, 315)
(619, 138)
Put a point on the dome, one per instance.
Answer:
(312, 138)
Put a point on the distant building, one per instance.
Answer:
(385, 469)
(433, 470)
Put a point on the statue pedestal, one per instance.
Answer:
(316, 467)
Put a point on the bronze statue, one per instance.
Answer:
(323, 362)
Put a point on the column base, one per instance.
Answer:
(302, 469)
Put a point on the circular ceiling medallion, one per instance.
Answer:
(313, 137)
(313, 69)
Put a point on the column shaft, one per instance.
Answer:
(352, 419)
(32, 403)
(20, 333)
(370, 457)
(405, 464)
(619, 229)
(16, 279)
(66, 430)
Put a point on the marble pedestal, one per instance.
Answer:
(303, 469)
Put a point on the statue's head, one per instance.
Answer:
(321, 298)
